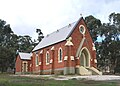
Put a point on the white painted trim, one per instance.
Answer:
(48, 57)
(51, 61)
(47, 63)
(23, 66)
(77, 57)
(39, 63)
(72, 58)
(83, 28)
(65, 58)
(95, 60)
(53, 48)
(24, 62)
(93, 48)
(91, 59)
(77, 66)
(37, 60)
(89, 55)
(80, 46)
(30, 65)
(41, 52)
(69, 43)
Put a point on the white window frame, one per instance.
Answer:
(60, 60)
(84, 30)
(47, 58)
(37, 60)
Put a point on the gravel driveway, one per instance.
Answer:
(62, 77)
(92, 77)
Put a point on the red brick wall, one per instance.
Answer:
(56, 48)
(76, 39)
(18, 65)
(34, 68)
(19, 62)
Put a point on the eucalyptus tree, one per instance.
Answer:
(7, 46)
(40, 34)
(108, 50)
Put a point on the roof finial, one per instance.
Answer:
(81, 15)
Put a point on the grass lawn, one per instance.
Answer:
(7, 80)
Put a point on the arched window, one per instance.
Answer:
(37, 60)
(60, 55)
(47, 57)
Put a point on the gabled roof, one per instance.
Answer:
(57, 36)
(25, 56)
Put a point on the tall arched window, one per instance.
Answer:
(60, 55)
(47, 57)
(37, 60)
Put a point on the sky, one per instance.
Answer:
(25, 16)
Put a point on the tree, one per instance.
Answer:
(108, 50)
(93, 25)
(40, 34)
(114, 20)
(10, 43)
(109, 54)
(25, 43)
(6, 46)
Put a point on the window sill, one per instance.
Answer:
(59, 61)
(47, 63)
(36, 65)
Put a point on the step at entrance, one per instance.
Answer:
(84, 71)
(94, 71)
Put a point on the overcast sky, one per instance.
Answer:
(25, 16)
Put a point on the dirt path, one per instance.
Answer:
(62, 77)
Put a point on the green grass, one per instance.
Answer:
(7, 80)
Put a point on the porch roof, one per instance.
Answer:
(25, 56)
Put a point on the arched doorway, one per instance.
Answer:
(84, 57)
(24, 66)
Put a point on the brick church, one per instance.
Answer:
(69, 50)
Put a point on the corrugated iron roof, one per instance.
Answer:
(25, 56)
(57, 36)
